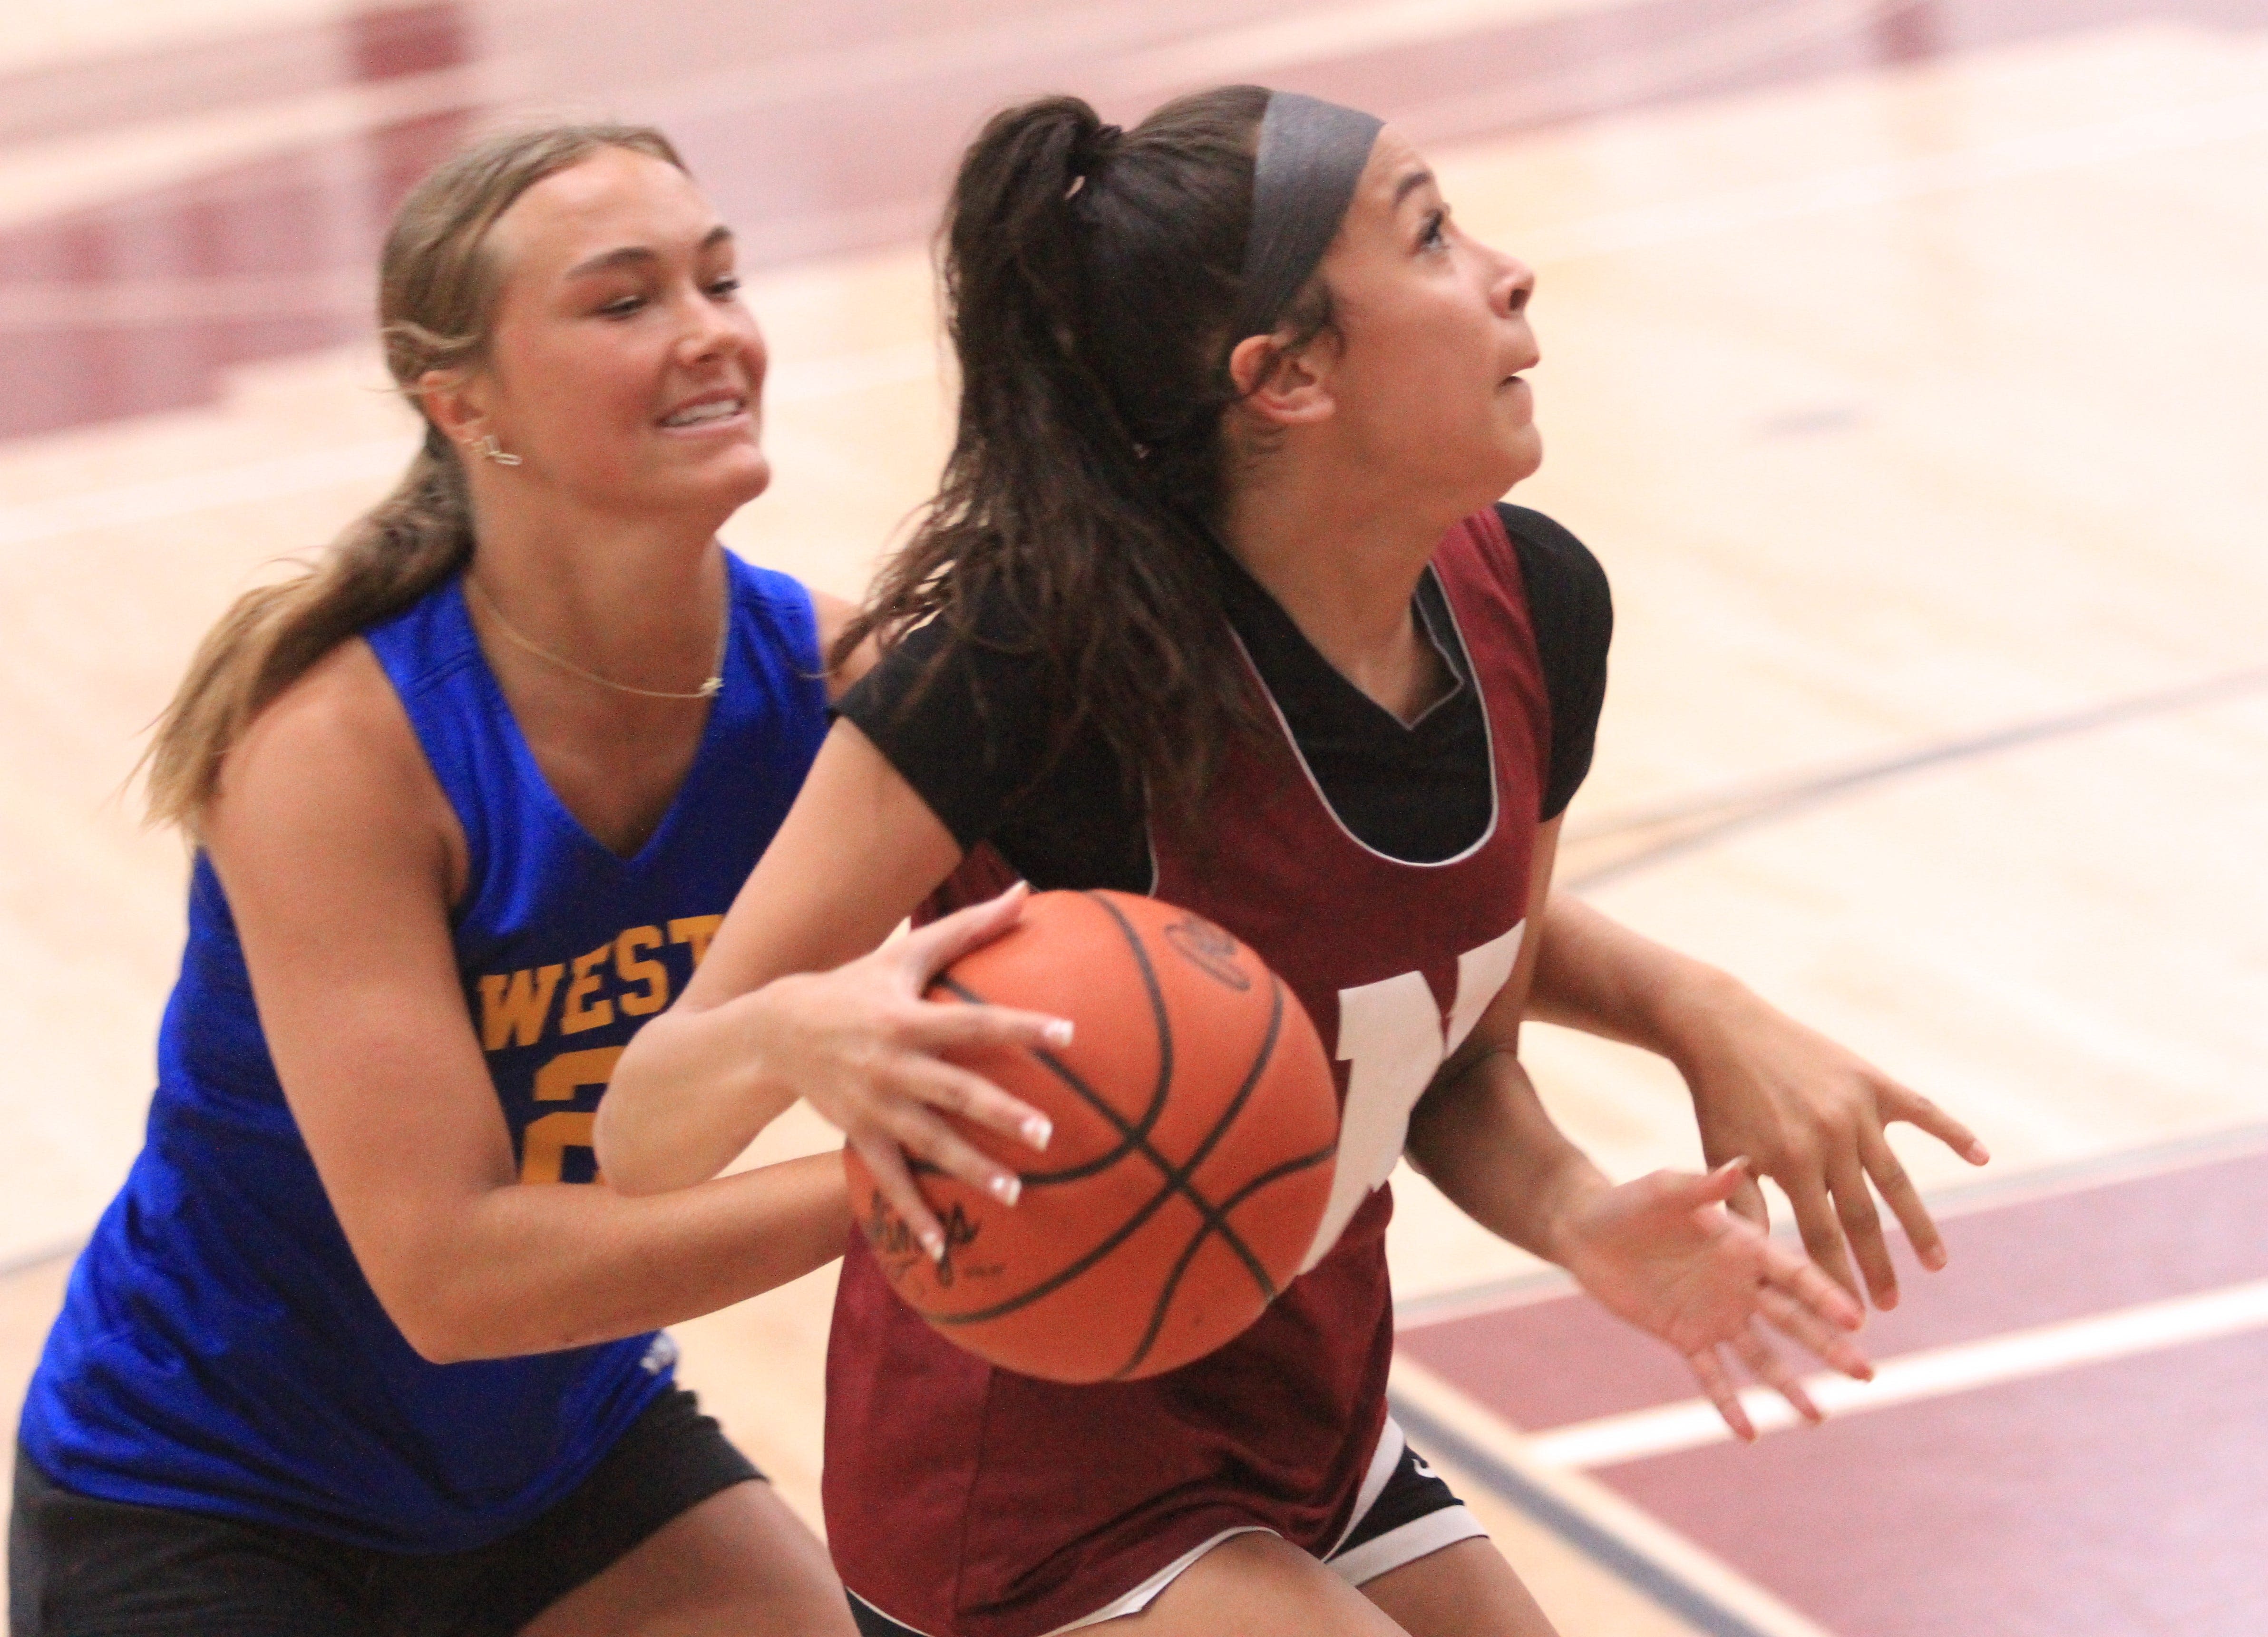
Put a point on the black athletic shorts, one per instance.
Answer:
(83, 1568)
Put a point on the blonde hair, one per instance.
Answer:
(437, 295)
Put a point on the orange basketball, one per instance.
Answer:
(1194, 1128)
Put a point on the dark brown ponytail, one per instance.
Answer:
(1091, 280)
(437, 288)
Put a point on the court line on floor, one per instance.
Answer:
(2155, 131)
(1622, 1538)
(2049, 1182)
(1662, 67)
(1256, 50)
(1917, 1377)
(1689, 823)
(161, 499)
(1660, 70)
(1244, 49)
(130, 303)
(42, 181)
(2013, 158)
(1511, 107)
(86, 168)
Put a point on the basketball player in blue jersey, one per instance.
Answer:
(1215, 603)
(356, 1350)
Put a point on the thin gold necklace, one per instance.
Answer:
(707, 690)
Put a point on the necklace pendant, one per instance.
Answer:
(710, 688)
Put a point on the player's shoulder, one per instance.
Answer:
(1551, 552)
(779, 595)
(333, 755)
(341, 706)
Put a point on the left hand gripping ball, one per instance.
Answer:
(1195, 1124)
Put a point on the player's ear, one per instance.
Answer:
(1282, 388)
(456, 401)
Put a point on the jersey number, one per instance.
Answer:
(1392, 1041)
(543, 1145)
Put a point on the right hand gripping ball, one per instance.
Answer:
(1195, 1123)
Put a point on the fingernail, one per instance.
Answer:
(933, 1242)
(1978, 1155)
(1057, 1033)
(1887, 1299)
(1934, 1257)
(1037, 1131)
(1005, 1189)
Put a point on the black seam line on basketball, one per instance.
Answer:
(1276, 1173)
(1133, 1134)
(1179, 1177)
(1214, 1217)
(1261, 1059)
(1135, 1141)
(1175, 1182)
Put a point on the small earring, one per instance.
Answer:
(490, 449)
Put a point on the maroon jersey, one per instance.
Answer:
(966, 1500)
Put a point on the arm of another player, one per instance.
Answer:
(1661, 1252)
(1805, 1111)
(766, 1021)
(335, 848)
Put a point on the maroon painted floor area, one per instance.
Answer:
(2030, 1263)
(2122, 1498)
(854, 153)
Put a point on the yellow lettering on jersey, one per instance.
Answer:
(580, 1012)
(632, 968)
(697, 930)
(571, 1072)
(513, 1008)
(543, 1145)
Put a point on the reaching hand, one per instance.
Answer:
(1810, 1115)
(1663, 1253)
(859, 1045)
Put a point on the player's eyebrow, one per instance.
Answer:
(1410, 184)
(630, 255)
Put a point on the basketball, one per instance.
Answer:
(1194, 1128)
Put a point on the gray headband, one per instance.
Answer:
(1311, 155)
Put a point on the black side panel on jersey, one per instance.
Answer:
(973, 741)
(1573, 613)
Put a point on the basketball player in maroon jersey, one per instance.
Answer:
(1214, 604)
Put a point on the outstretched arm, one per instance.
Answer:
(1661, 1252)
(1802, 1109)
(337, 850)
(794, 1000)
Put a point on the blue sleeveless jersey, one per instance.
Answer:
(219, 1349)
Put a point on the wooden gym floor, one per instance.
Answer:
(1904, 361)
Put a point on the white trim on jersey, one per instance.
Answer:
(1383, 1459)
(1141, 1597)
(1420, 1537)
(1488, 725)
